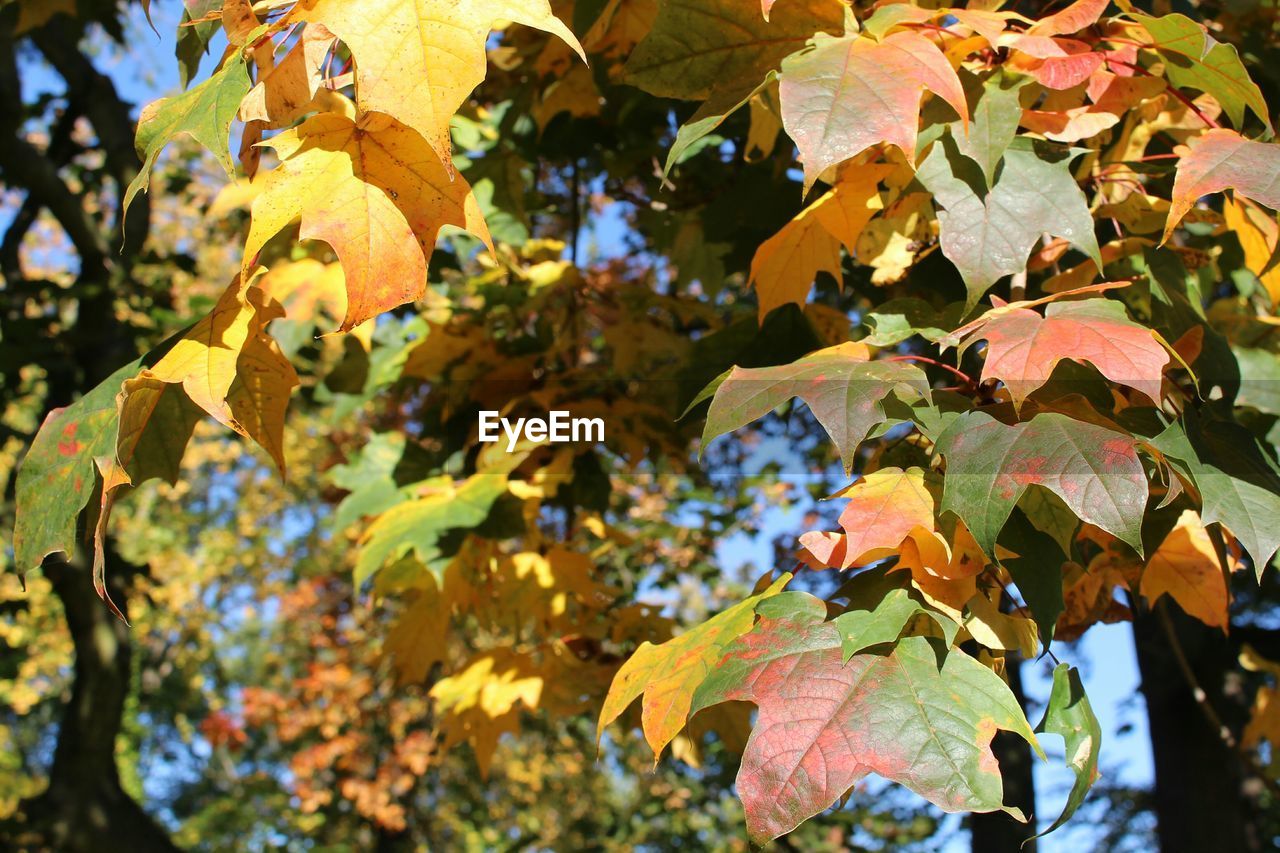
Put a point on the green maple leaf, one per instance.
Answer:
(841, 387)
(989, 234)
(1096, 472)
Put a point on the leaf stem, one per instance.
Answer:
(1169, 87)
(968, 380)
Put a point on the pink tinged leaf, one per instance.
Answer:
(851, 93)
(1223, 159)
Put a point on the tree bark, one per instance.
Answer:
(997, 832)
(85, 808)
(1200, 798)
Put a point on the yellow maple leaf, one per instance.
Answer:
(484, 700)
(376, 193)
(418, 60)
(1186, 567)
(1259, 235)
(785, 265)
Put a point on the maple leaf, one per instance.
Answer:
(58, 475)
(204, 113)
(418, 640)
(1186, 568)
(1073, 19)
(1110, 96)
(1223, 159)
(1196, 60)
(1095, 471)
(1070, 715)
(785, 265)
(1023, 347)
(698, 49)
(374, 191)
(885, 621)
(846, 94)
(1259, 236)
(1239, 487)
(884, 508)
(894, 714)
(229, 367)
(282, 95)
(990, 236)
(841, 386)
(418, 60)
(1055, 63)
(668, 674)
(994, 123)
(484, 700)
(417, 525)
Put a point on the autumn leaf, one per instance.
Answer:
(1238, 487)
(1095, 471)
(1023, 348)
(58, 475)
(418, 60)
(375, 192)
(901, 715)
(1070, 715)
(1223, 159)
(1259, 236)
(282, 95)
(845, 95)
(840, 385)
(1186, 568)
(484, 700)
(1195, 60)
(204, 113)
(785, 265)
(722, 49)
(418, 524)
(990, 236)
(884, 508)
(668, 674)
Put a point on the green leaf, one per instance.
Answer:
(901, 715)
(989, 235)
(58, 475)
(204, 113)
(884, 623)
(1095, 471)
(842, 389)
(1070, 715)
(1239, 487)
(709, 116)
(418, 525)
(995, 116)
(1195, 60)
(726, 47)
(899, 319)
(1034, 560)
(193, 39)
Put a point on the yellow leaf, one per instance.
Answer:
(786, 264)
(996, 630)
(1186, 567)
(375, 192)
(1258, 234)
(418, 60)
(575, 94)
(284, 94)
(484, 701)
(417, 641)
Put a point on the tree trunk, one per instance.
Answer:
(85, 808)
(997, 832)
(1199, 799)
